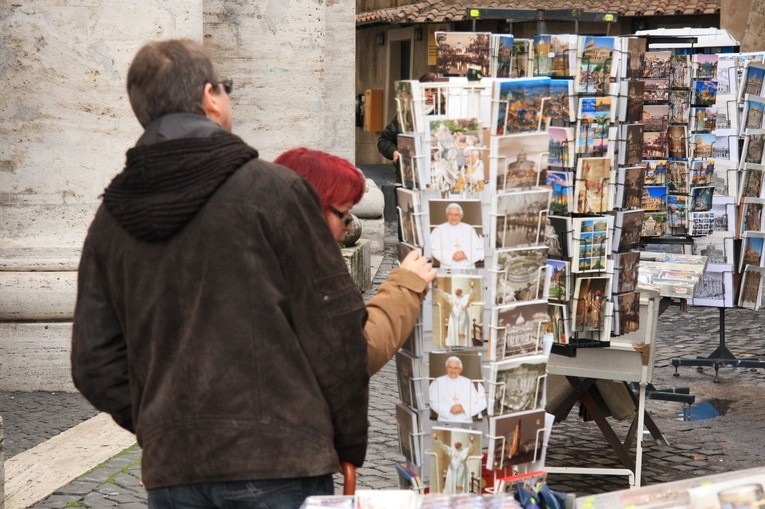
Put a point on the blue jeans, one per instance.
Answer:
(265, 494)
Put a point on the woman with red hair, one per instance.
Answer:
(394, 309)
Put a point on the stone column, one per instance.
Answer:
(2, 464)
(65, 126)
(293, 65)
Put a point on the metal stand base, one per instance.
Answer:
(721, 357)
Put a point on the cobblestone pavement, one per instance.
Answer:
(731, 441)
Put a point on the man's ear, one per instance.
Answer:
(210, 103)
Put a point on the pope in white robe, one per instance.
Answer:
(458, 326)
(457, 478)
(455, 244)
(455, 398)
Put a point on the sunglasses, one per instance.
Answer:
(228, 86)
(344, 216)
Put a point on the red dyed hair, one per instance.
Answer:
(335, 179)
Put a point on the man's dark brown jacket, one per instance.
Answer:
(215, 316)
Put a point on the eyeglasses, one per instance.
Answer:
(228, 86)
(345, 217)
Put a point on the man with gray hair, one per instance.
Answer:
(214, 308)
(455, 398)
(454, 244)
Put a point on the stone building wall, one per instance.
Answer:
(745, 20)
(66, 124)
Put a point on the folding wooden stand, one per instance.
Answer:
(628, 358)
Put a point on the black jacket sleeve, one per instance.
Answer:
(387, 142)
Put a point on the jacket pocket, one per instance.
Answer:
(338, 295)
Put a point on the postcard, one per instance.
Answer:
(656, 64)
(680, 71)
(626, 313)
(593, 121)
(655, 145)
(519, 218)
(589, 303)
(704, 66)
(654, 224)
(519, 274)
(561, 147)
(517, 104)
(517, 384)
(752, 115)
(750, 215)
(459, 52)
(726, 75)
(700, 199)
(591, 184)
(704, 92)
(754, 147)
(450, 447)
(414, 345)
(750, 293)
(631, 101)
(559, 274)
(655, 117)
(559, 108)
(677, 177)
(656, 91)
(700, 223)
(457, 311)
(677, 212)
(456, 156)
(625, 271)
(501, 55)
(752, 80)
(404, 105)
(410, 380)
(654, 198)
(409, 216)
(631, 144)
(454, 239)
(633, 49)
(518, 160)
(628, 225)
(594, 64)
(701, 173)
(563, 49)
(408, 434)
(592, 243)
(559, 324)
(543, 56)
(517, 438)
(679, 106)
(655, 172)
(629, 187)
(677, 142)
(562, 197)
(703, 119)
(752, 249)
(559, 237)
(517, 329)
(751, 181)
(521, 60)
(715, 289)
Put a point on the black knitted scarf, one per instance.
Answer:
(165, 184)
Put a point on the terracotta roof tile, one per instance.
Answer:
(437, 11)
